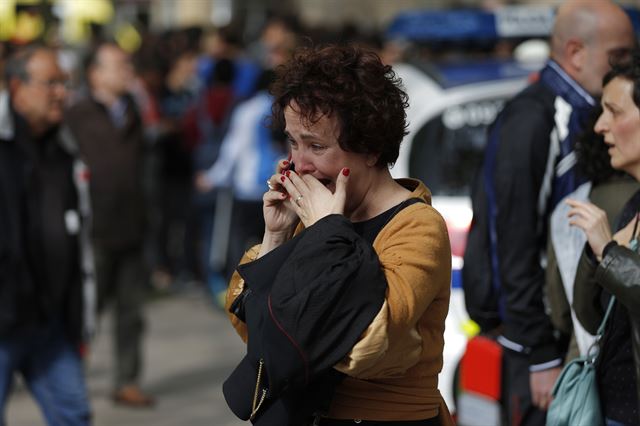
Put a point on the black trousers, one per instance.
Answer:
(519, 408)
(122, 280)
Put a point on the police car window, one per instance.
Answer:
(447, 150)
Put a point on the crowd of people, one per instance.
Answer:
(268, 167)
(553, 179)
(123, 174)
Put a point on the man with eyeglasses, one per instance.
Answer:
(42, 324)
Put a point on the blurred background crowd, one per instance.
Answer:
(194, 76)
(194, 62)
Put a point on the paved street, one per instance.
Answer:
(190, 350)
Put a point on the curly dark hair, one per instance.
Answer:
(594, 161)
(352, 84)
(592, 154)
(627, 67)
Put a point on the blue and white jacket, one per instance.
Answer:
(528, 168)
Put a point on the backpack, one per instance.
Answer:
(481, 288)
(483, 295)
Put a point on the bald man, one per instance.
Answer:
(528, 168)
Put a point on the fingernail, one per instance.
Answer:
(285, 163)
(346, 171)
(282, 178)
(288, 173)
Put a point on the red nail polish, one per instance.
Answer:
(288, 173)
(346, 171)
(285, 163)
(282, 178)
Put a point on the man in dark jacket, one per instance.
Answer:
(109, 133)
(528, 168)
(41, 280)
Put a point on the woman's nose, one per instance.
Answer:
(302, 166)
(600, 126)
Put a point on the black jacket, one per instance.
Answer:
(40, 271)
(521, 159)
(528, 168)
(306, 304)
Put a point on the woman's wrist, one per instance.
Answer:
(599, 256)
(608, 247)
(272, 240)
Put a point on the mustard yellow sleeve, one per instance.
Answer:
(236, 285)
(415, 255)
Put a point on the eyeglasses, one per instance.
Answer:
(51, 84)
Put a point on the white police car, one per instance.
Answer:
(447, 135)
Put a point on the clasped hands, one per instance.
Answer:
(292, 197)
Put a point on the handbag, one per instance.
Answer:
(576, 400)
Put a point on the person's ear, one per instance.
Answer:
(576, 54)
(372, 159)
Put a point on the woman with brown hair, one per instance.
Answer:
(356, 264)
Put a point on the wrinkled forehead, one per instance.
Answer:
(309, 113)
(619, 86)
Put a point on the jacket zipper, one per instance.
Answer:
(255, 405)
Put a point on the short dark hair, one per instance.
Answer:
(352, 84)
(627, 67)
(91, 58)
(16, 65)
